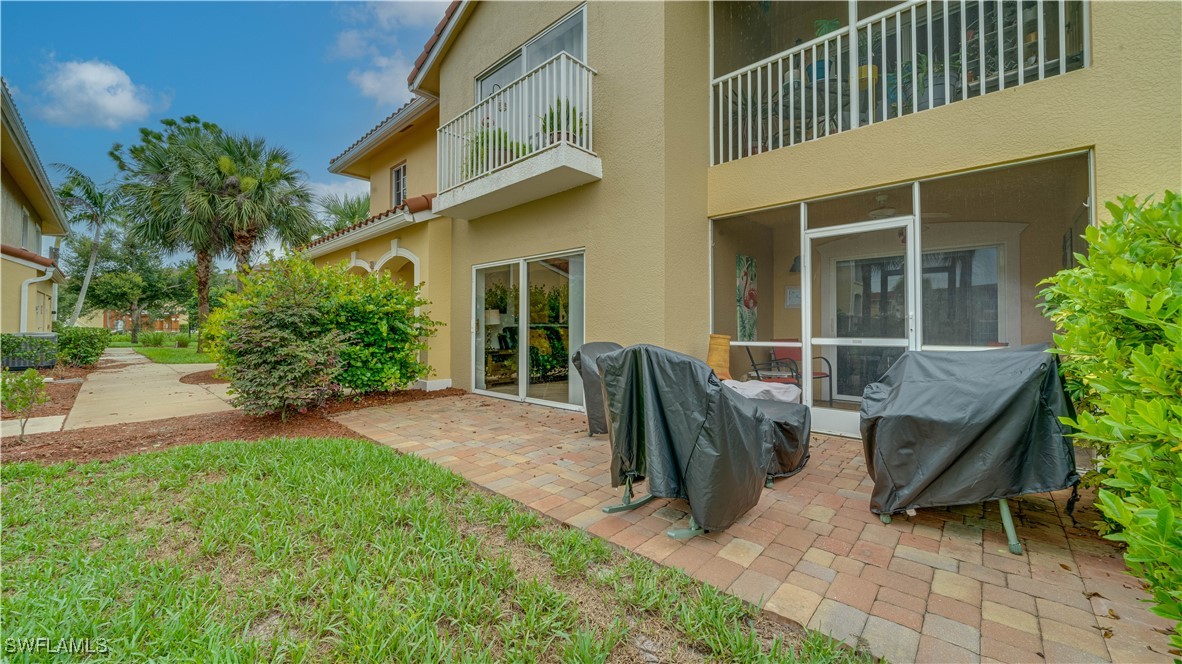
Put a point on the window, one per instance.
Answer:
(565, 35)
(25, 224)
(397, 185)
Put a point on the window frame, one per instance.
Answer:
(520, 51)
(395, 201)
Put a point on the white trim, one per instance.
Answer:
(433, 385)
(26, 263)
(444, 37)
(397, 251)
(519, 52)
(16, 126)
(393, 221)
(417, 108)
(25, 297)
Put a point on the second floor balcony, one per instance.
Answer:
(854, 64)
(530, 139)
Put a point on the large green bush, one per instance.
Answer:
(1120, 318)
(152, 339)
(82, 346)
(372, 318)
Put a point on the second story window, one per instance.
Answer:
(397, 185)
(568, 34)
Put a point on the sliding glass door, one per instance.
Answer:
(528, 321)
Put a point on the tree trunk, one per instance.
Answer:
(243, 245)
(135, 322)
(94, 247)
(204, 267)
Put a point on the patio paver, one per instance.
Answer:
(939, 586)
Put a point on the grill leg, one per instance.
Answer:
(628, 503)
(685, 533)
(1007, 522)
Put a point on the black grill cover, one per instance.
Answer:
(584, 361)
(957, 428)
(671, 421)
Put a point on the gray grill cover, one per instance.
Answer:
(956, 428)
(672, 422)
(584, 361)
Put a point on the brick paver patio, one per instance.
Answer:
(937, 587)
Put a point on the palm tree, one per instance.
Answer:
(260, 196)
(171, 202)
(344, 211)
(87, 204)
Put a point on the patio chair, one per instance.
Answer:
(955, 428)
(584, 360)
(675, 425)
(784, 366)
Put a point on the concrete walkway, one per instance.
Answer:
(937, 587)
(142, 391)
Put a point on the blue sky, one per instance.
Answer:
(310, 76)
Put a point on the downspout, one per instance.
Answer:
(25, 297)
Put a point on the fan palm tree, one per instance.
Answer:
(260, 196)
(170, 196)
(87, 204)
(344, 211)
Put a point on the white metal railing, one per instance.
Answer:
(549, 105)
(912, 57)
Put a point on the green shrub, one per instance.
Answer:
(122, 337)
(374, 316)
(23, 350)
(182, 340)
(21, 393)
(82, 346)
(152, 339)
(1120, 314)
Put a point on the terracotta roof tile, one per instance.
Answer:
(422, 59)
(371, 131)
(25, 254)
(413, 204)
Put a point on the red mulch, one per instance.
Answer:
(203, 378)
(116, 440)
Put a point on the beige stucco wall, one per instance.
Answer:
(40, 302)
(416, 147)
(1127, 107)
(653, 187)
(430, 242)
(12, 202)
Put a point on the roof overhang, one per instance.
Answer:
(391, 221)
(390, 127)
(20, 159)
(424, 78)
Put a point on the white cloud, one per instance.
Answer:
(384, 80)
(93, 93)
(341, 187)
(371, 37)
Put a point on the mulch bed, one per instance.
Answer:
(116, 440)
(203, 378)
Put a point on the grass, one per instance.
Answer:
(312, 549)
(166, 354)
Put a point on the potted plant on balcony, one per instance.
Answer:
(562, 121)
(488, 148)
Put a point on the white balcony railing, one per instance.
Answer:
(548, 106)
(913, 57)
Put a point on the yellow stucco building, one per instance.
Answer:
(29, 212)
(828, 183)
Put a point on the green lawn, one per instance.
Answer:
(166, 354)
(318, 549)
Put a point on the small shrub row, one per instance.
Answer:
(1120, 317)
(81, 346)
(152, 339)
(297, 334)
(22, 350)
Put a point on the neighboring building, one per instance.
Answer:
(815, 179)
(29, 211)
(120, 321)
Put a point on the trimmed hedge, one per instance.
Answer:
(1120, 317)
(82, 346)
(20, 351)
